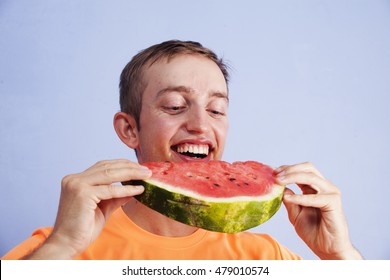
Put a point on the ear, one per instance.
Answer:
(126, 128)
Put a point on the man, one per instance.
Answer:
(174, 96)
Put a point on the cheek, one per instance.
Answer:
(165, 125)
(161, 129)
(220, 134)
(221, 131)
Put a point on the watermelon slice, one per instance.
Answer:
(215, 195)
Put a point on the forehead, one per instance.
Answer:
(192, 71)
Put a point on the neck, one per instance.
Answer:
(154, 222)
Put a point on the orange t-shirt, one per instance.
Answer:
(123, 239)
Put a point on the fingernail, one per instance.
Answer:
(277, 170)
(143, 167)
(281, 176)
(145, 171)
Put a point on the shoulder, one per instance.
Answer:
(29, 245)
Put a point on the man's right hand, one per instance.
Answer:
(87, 200)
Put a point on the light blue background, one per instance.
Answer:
(310, 82)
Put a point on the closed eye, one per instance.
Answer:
(174, 109)
(216, 113)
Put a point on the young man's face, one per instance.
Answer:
(184, 111)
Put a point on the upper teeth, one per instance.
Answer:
(193, 148)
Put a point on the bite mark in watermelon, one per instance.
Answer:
(217, 196)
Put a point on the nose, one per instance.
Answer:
(197, 121)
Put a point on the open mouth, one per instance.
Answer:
(195, 151)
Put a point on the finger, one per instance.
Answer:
(106, 192)
(109, 206)
(109, 164)
(301, 167)
(326, 202)
(293, 209)
(306, 189)
(112, 175)
(319, 184)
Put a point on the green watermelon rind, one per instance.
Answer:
(229, 215)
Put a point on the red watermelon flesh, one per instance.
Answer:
(215, 195)
(217, 179)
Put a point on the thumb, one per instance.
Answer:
(293, 209)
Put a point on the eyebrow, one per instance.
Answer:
(185, 89)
